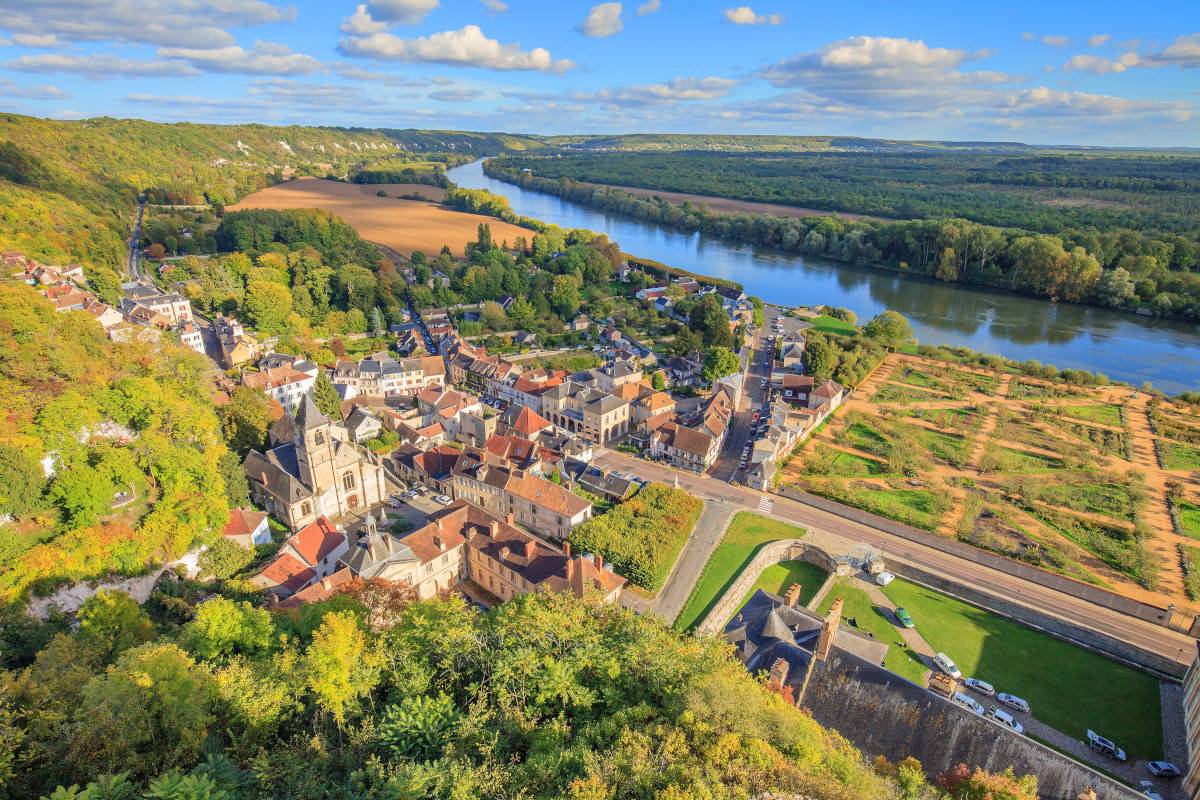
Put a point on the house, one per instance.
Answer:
(581, 407)
(607, 483)
(522, 453)
(685, 447)
(321, 589)
(66, 297)
(380, 375)
(173, 306)
(247, 528)
(363, 425)
(311, 553)
(284, 384)
(534, 502)
(319, 473)
(527, 388)
(190, 336)
(444, 406)
(237, 346)
(651, 294)
(476, 427)
(652, 404)
(524, 421)
(525, 339)
(684, 371)
(581, 323)
(618, 373)
(106, 315)
(687, 284)
(791, 355)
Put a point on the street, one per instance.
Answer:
(740, 433)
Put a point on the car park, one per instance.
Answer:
(884, 578)
(1012, 701)
(1163, 769)
(905, 619)
(1105, 746)
(968, 702)
(946, 665)
(983, 687)
(1005, 719)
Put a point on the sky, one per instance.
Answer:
(1044, 72)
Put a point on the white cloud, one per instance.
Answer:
(361, 23)
(649, 7)
(408, 12)
(1098, 39)
(1042, 101)
(455, 95)
(100, 66)
(267, 58)
(467, 47)
(353, 73)
(677, 90)
(602, 21)
(192, 23)
(1027, 36)
(745, 15)
(1183, 52)
(1098, 65)
(44, 92)
(36, 40)
(495, 6)
(1055, 41)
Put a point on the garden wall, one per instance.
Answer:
(769, 554)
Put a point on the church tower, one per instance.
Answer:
(314, 447)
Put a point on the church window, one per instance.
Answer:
(305, 508)
(348, 481)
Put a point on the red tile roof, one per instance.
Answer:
(286, 571)
(316, 541)
(320, 590)
(529, 422)
(243, 522)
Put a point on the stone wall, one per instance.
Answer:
(769, 554)
(897, 719)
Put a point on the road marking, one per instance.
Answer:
(765, 504)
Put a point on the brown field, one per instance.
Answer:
(724, 205)
(434, 194)
(402, 225)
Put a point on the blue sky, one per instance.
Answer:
(1103, 73)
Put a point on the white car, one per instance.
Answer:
(1005, 719)
(968, 702)
(442, 500)
(1012, 701)
(983, 687)
(947, 665)
(884, 578)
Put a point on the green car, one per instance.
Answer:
(905, 618)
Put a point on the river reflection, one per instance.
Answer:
(1124, 346)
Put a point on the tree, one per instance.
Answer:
(237, 487)
(326, 397)
(418, 727)
(223, 558)
(150, 711)
(223, 627)
(685, 342)
(156, 252)
(356, 321)
(267, 305)
(493, 315)
(341, 667)
(113, 622)
(245, 420)
(564, 297)
(720, 362)
(1114, 288)
(21, 482)
(889, 328)
(83, 493)
(378, 328)
(708, 318)
(522, 311)
(657, 381)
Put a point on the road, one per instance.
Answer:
(740, 433)
(135, 240)
(1144, 635)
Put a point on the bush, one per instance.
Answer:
(224, 558)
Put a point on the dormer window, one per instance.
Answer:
(319, 438)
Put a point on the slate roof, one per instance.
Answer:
(309, 416)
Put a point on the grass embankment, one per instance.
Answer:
(828, 324)
(778, 578)
(1068, 688)
(877, 621)
(1188, 516)
(746, 533)
(1178, 456)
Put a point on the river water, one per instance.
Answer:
(1123, 346)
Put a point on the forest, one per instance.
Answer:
(1115, 267)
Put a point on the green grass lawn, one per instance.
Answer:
(901, 393)
(843, 463)
(777, 578)
(954, 419)
(1069, 688)
(916, 507)
(1178, 456)
(1188, 515)
(1021, 388)
(998, 458)
(1191, 570)
(946, 447)
(858, 606)
(1111, 499)
(746, 533)
(828, 324)
(1104, 413)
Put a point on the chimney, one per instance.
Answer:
(504, 551)
(494, 527)
(566, 548)
(325, 584)
(599, 562)
(779, 673)
(530, 548)
(438, 543)
(509, 518)
(793, 595)
(828, 629)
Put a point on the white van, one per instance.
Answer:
(968, 702)
(1005, 719)
(946, 665)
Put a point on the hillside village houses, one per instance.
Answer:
(237, 346)
(286, 382)
(380, 375)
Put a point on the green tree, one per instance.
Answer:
(245, 420)
(378, 328)
(657, 381)
(223, 627)
(890, 328)
(21, 482)
(113, 622)
(341, 665)
(83, 493)
(326, 397)
(224, 558)
(418, 727)
(522, 311)
(708, 318)
(267, 305)
(356, 321)
(685, 341)
(233, 476)
(720, 362)
(564, 296)
(148, 712)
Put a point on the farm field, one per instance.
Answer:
(1071, 479)
(402, 225)
(725, 205)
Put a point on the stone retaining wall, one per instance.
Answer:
(769, 554)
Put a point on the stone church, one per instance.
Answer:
(317, 472)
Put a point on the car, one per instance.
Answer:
(1163, 769)
(393, 502)
(983, 687)
(884, 578)
(1005, 719)
(422, 490)
(410, 494)
(1104, 746)
(442, 500)
(1012, 701)
(947, 665)
(905, 619)
(968, 702)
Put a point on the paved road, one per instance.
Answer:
(135, 240)
(1145, 635)
(725, 468)
(700, 545)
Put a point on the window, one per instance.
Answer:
(305, 508)
(429, 568)
(348, 481)
(319, 438)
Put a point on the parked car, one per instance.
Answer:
(983, 687)
(1163, 769)
(968, 702)
(945, 663)
(410, 494)
(906, 620)
(394, 502)
(884, 578)
(442, 500)
(1005, 719)
(1105, 746)
(1012, 701)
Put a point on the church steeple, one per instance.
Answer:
(309, 416)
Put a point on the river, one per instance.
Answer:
(1124, 346)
